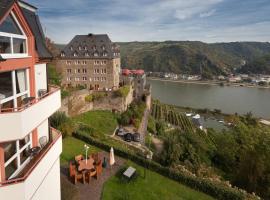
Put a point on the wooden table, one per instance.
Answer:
(86, 166)
(129, 172)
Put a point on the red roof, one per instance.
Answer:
(127, 72)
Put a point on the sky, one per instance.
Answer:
(157, 20)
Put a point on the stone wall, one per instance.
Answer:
(76, 104)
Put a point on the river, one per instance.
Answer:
(229, 99)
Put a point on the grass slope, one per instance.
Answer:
(153, 187)
(73, 147)
(103, 122)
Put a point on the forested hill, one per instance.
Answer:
(193, 57)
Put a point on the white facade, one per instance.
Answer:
(42, 183)
(16, 125)
(40, 77)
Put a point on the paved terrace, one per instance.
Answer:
(93, 190)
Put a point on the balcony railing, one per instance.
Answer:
(52, 89)
(33, 163)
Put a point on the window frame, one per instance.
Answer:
(15, 96)
(16, 36)
(18, 158)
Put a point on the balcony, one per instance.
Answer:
(16, 123)
(33, 174)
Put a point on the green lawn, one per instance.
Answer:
(153, 187)
(73, 147)
(103, 122)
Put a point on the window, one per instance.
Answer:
(84, 71)
(19, 45)
(68, 78)
(78, 71)
(103, 71)
(84, 62)
(68, 62)
(84, 78)
(86, 54)
(62, 54)
(69, 71)
(71, 48)
(85, 47)
(77, 62)
(14, 87)
(96, 54)
(96, 71)
(5, 45)
(15, 155)
(77, 79)
(12, 39)
(75, 54)
(96, 62)
(80, 48)
(103, 62)
(104, 54)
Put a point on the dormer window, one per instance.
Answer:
(94, 47)
(103, 47)
(86, 54)
(80, 48)
(62, 54)
(12, 38)
(71, 48)
(85, 47)
(75, 54)
(96, 54)
(104, 54)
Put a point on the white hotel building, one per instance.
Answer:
(29, 148)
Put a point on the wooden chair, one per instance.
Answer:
(98, 168)
(91, 173)
(74, 174)
(79, 158)
(95, 157)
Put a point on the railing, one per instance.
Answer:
(27, 170)
(52, 89)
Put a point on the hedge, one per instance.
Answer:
(213, 189)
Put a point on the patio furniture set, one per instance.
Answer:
(83, 169)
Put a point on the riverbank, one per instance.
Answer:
(209, 83)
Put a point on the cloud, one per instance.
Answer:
(208, 14)
(150, 20)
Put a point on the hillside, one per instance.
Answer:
(260, 65)
(191, 57)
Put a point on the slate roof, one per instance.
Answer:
(33, 22)
(86, 46)
(5, 6)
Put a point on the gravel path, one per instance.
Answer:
(93, 190)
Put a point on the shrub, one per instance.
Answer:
(89, 98)
(58, 119)
(64, 93)
(122, 92)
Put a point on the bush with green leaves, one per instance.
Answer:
(122, 91)
(89, 98)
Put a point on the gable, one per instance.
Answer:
(9, 25)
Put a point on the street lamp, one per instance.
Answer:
(86, 147)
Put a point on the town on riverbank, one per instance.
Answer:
(239, 80)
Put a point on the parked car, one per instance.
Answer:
(121, 132)
(136, 137)
(128, 137)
